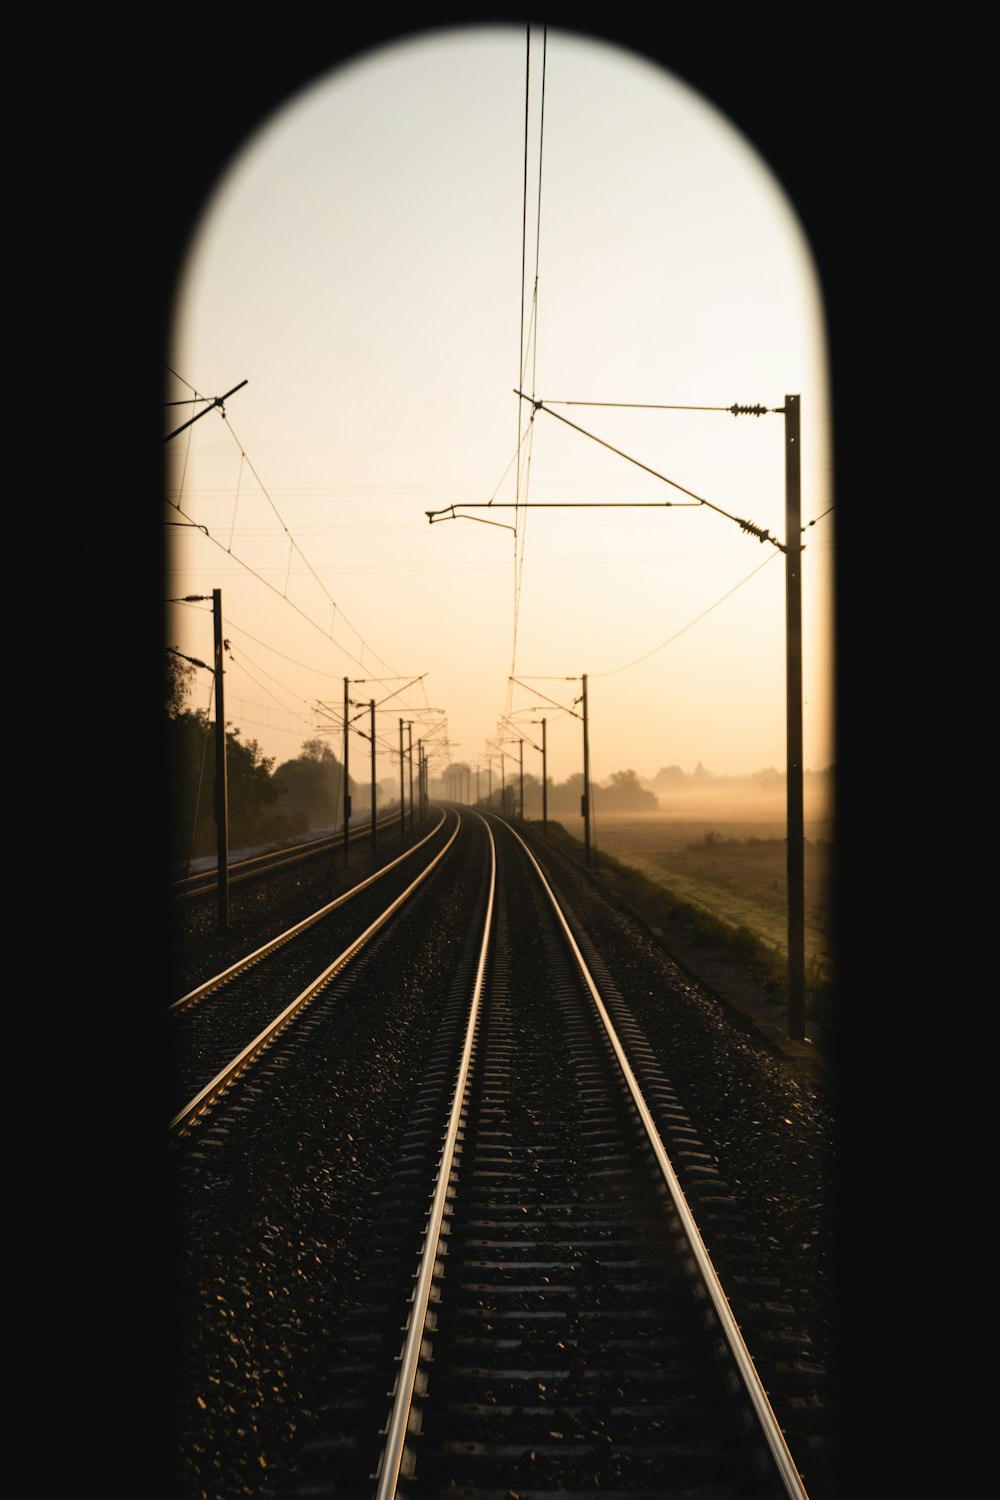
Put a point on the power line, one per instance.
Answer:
(328, 635)
(770, 558)
(241, 663)
(337, 677)
(531, 342)
(734, 410)
(757, 531)
(246, 459)
(304, 729)
(285, 529)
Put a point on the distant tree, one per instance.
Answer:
(317, 749)
(311, 786)
(253, 793)
(626, 794)
(564, 796)
(768, 778)
(670, 777)
(253, 816)
(532, 795)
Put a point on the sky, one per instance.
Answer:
(396, 251)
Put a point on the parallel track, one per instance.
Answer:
(268, 989)
(529, 1306)
(253, 866)
(567, 1334)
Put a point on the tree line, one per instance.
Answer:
(271, 803)
(267, 803)
(623, 793)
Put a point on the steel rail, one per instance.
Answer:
(242, 964)
(391, 1459)
(203, 881)
(768, 1421)
(186, 1118)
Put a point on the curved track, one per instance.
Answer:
(265, 991)
(566, 1334)
(522, 1303)
(252, 866)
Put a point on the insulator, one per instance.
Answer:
(748, 411)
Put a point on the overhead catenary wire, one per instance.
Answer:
(308, 723)
(691, 623)
(235, 628)
(532, 343)
(757, 411)
(241, 662)
(757, 531)
(612, 672)
(527, 342)
(561, 706)
(281, 521)
(241, 709)
(327, 634)
(245, 459)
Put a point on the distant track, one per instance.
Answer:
(269, 989)
(219, 981)
(205, 881)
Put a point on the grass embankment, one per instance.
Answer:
(727, 895)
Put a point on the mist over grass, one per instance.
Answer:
(734, 807)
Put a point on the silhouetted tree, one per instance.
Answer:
(625, 794)
(670, 777)
(564, 796)
(311, 786)
(252, 789)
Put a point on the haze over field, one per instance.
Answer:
(763, 810)
(758, 801)
(384, 266)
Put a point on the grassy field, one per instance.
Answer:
(729, 857)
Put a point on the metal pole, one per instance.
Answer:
(545, 785)
(521, 743)
(793, 687)
(371, 705)
(347, 779)
(409, 731)
(402, 785)
(586, 777)
(221, 784)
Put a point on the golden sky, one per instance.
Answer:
(384, 266)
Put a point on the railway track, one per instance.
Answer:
(253, 866)
(532, 1307)
(263, 992)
